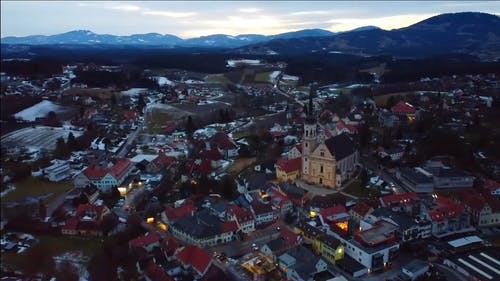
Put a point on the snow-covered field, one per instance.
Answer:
(164, 81)
(134, 91)
(40, 136)
(273, 76)
(40, 109)
(290, 77)
(234, 63)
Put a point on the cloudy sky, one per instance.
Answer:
(196, 18)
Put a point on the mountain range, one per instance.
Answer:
(469, 32)
(87, 37)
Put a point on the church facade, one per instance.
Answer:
(326, 162)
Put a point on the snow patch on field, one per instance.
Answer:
(162, 81)
(290, 77)
(39, 137)
(38, 110)
(134, 91)
(273, 76)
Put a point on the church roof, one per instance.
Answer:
(341, 146)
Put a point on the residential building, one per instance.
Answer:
(263, 212)
(415, 269)
(86, 222)
(204, 229)
(196, 259)
(448, 217)
(227, 147)
(58, 171)
(146, 242)
(406, 110)
(288, 169)
(105, 178)
(484, 209)
(243, 217)
(388, 119)
(300, 264)
(279, 200)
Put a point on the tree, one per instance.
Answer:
(51, 115)
(391, 101)
(189, 125)
(113, 99)
(61, 148)
(72, 144)
(67, 271)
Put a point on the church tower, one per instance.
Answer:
(309, 137)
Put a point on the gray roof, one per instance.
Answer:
(200, 225)
(415, 176)
(341, 146)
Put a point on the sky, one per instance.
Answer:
(188, 19)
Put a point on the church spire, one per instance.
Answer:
(310, 109)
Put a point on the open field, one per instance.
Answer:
(356, 189)
(379, 70)
(262, 76)
(382, 99)
(100, 93)
(159, 115)
(36, 187)
(218, 78)
(40, 136)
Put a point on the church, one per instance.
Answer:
(326, 162)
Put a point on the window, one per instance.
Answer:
(307, 134)
(322, 154)
(321, 169)
(306, 144)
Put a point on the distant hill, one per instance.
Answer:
(470, 33)
(87, 37)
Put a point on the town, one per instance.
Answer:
(248, 175)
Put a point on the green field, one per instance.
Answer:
(262, 76)
(218, 78)
(36, 187)
(382, 99)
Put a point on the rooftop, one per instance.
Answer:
(381, 232)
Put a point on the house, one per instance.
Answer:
(263, 213)
(327, 246)
(224, 144)
(404, 109)
(86, 222)
(196, 259)
(170, 215)
(160, 163)
(280, 200)
(146, 242)
(154, 272)
(297, 195)
(204, 229)
(300, 263)
(295, 151)
(360, 211)
(342, 128)
(388, 119)
(395, 154)
(326, 162)
(449, 177)
(402, 201)
(243, 217)
(288, 169)
(448, 217)
(411, 226)
(105, 178)
(484, 209)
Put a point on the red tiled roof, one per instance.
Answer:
(289, 236)
(183, 211)
(122, 165)
(144, 241)
(95, 173)
(402, 198)
(289, 165)
(332, 211)
(402, 107)
(361, 208)
(130, 115)
(86, 208)
(163, 159)
(212, 154)
(229, 226)
(195, 256)
(223, 141)
(241, 214)
(156, 273)
(445, 209)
